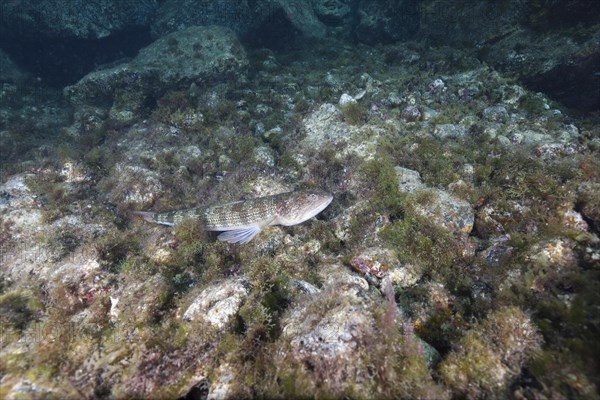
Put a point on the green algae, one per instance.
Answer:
(253, 344)
(490, 354)
(354, 114)
(415, 238)
(114, 247)
(17, 309)
(385, 193)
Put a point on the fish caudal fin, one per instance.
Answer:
(146, 215)
(163, 219)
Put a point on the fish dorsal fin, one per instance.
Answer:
(241, 236)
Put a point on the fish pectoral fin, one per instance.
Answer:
(241, 236)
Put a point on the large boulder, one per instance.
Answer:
(551, 48)
(563, 67)
(196, 54)
(468, 23)
(9, 72)
(243, 17)
(384, 21)
(77, 19)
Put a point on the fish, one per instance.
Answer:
(242, 220)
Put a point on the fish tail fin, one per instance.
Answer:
(163, 219)
(146, 215)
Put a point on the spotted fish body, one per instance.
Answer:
(240, 221)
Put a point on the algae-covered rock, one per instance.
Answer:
(589, 199)
(439, 207)
(494, 220)
(332, 10)
(324, 126)
(335, 335)
(344, 129)
(14, 388)
(559, 59)
(550, 262)
(341, 331)
(196, 54)
(135, 185)
(491, 355)
(381, 21)
(451, 131)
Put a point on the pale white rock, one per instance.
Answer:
(325, 128)
(136, 185)
(574, 220)
(114, 312)
(217, 304)
(223, 385)
(406, 275)
(345, 98)
(264, 155)
(409, 180)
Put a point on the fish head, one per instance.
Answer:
(297, 207)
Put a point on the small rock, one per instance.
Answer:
(452, 131)
(134, 184)
(317, 135)
(305, 287)
(555, 254)
(548, 151)
(574, 220)
(223, 385)
(264, 155)
(411, 113)
(437, 86)
(443, 209)
(218, 304)
(345, 98)
(492, 221)
(497, 253)
(529, 137)
(406, 275)
(497, 113)
(409, 180)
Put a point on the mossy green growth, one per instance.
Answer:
(475, 364)
(51, 186)
(171, 103)
(17, 309)
(242, 148)
(63, 240)
(301, 106)
(382, 180)
(97, 160)
(269, 281)
(114, 247)
(416, 239)
(65, 152)
(354, 114)
(485, 360)
(437, 161)
(588, 202)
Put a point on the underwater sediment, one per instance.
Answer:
(459, 257)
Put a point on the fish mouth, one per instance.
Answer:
(323, 203)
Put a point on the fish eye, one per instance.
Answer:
(312, 197)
